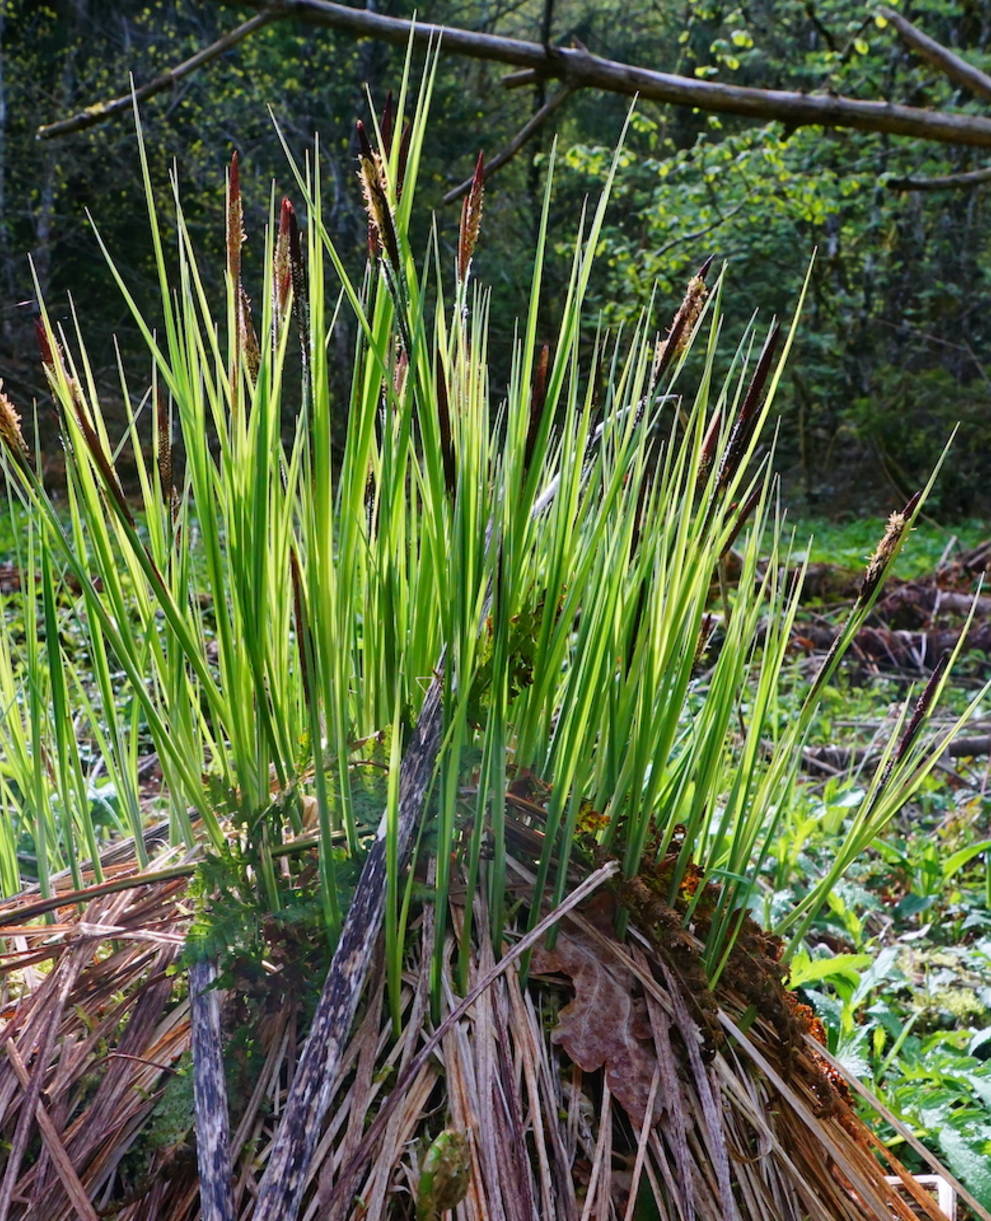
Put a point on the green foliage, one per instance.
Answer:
(921, 408)
(897, 963)
(172, 1119)
(849, 543)
(897, 311)
(889, 359)
(561, 570)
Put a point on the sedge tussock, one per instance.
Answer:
(501, 1110)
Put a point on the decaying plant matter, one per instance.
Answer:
(716, 1103)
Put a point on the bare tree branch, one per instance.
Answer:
(513, 147)
(106, 110)
(946, 61)
(834, 759)
(945, 182)
(579, 69)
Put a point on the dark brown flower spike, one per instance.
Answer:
(741, 520)
(387, 123)
(708, 452)
(101, 460)
(922, 707)
(471, 219)
(680, 331)
(404, 140)
(916, 721)
(297, 269)
(302, 628)
(48, 353)
(381, 229)
(538, 397)
(281, 266)
(746, 420)
(60, 379)
(364, 144)
(705, 635)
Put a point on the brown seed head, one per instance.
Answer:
(882, 556)
(164, 430)
(235, 220)
(471, 219)
(10, 428)
(283, 271)
(49, 352)
(248, 338)
(371, 175)
(684, 321)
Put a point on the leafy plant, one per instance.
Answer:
(548, 551)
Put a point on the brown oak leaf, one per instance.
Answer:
(606, 1025)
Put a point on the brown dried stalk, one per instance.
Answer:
(210, 1094)
(471, 219)
(10, 429)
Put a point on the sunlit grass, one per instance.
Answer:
(551, 548)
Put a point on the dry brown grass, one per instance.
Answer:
(96, 1039)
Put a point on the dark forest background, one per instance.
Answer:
(894, 345)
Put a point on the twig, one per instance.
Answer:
(700, 233)
(513, 147)
(944, 182)
(516, 80)
(213, 1137)
(951, 65)
(93, 115)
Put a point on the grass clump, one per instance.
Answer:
(496, 600)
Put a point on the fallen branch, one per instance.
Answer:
(835, 759)
(281, 1189)
(213, 1139)
(915, 605)
(884, 649)
(944, 182)
(579, 69)
(942, 58)
(93, 115)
